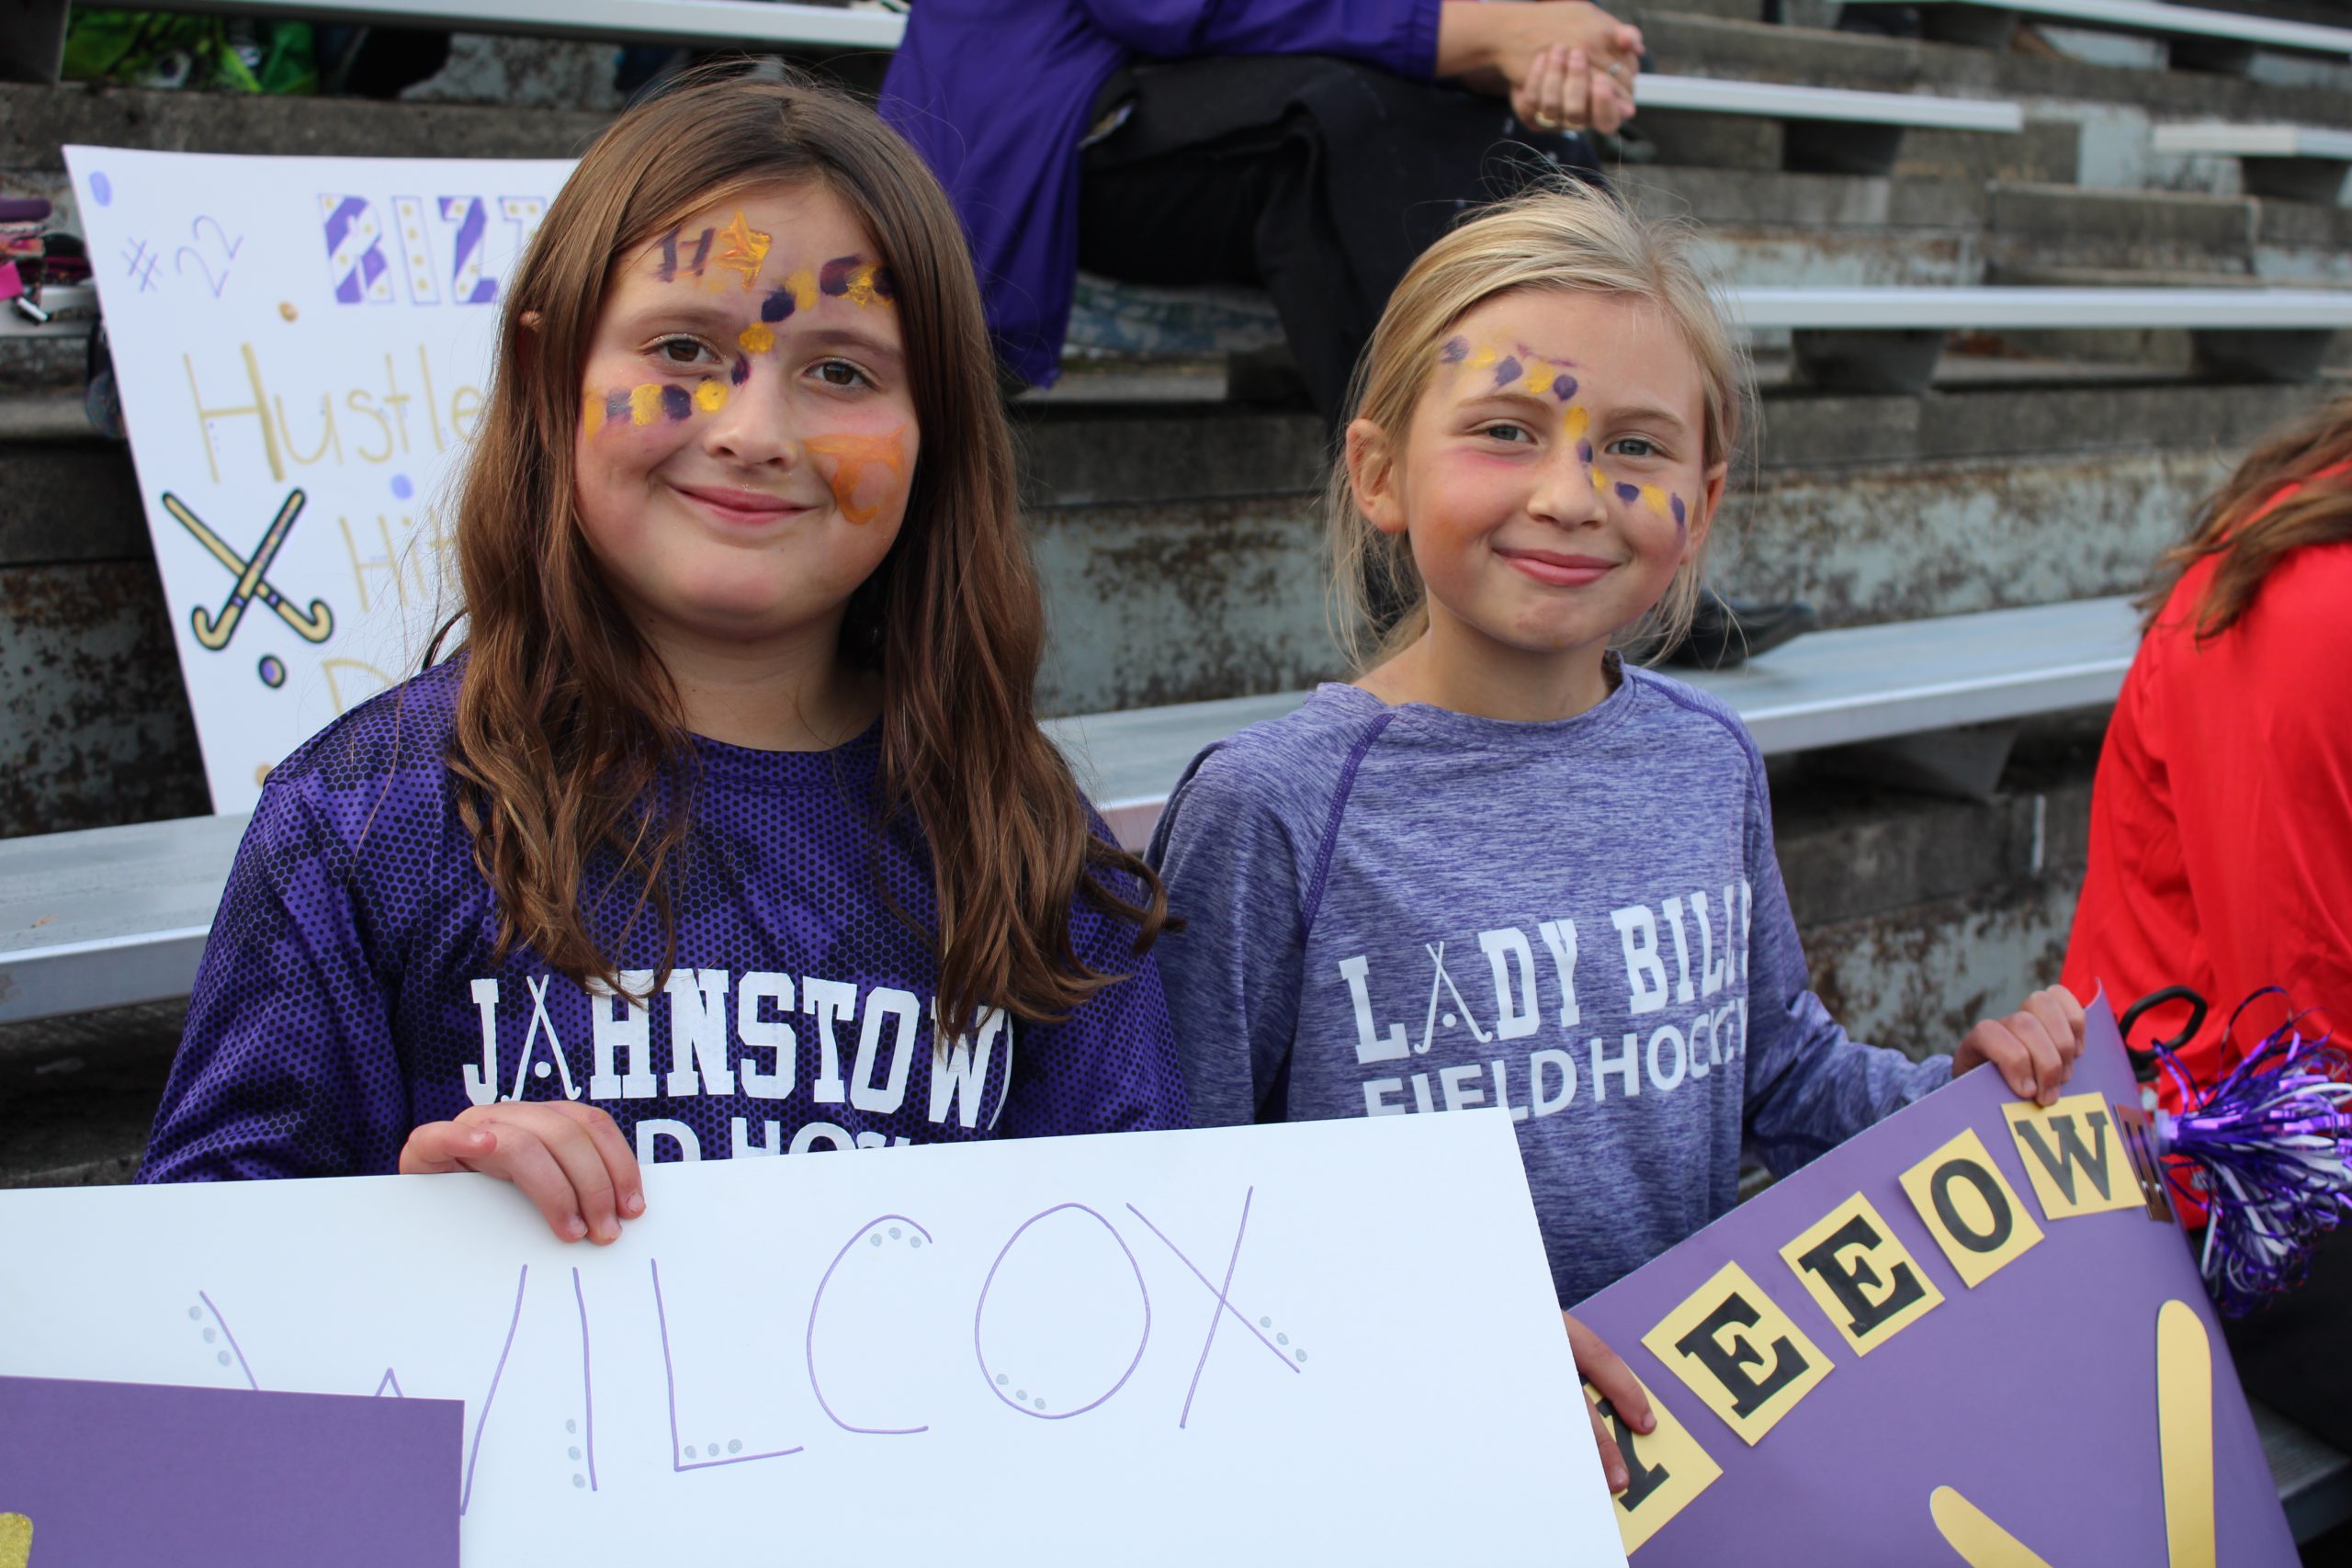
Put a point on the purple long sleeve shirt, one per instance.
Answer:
(995, 95)
(349, 991)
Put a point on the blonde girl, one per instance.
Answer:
(1502, 868)
(726, 830)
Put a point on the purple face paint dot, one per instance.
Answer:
(1563, 387)
(273, 675)
(1682, 515)
(834, 275)
(102, 188)
(1455, 351)
(1628, 493)
(677, 402)
(402, 487)
(1584, 452)
(776, 306)
(1507, 372)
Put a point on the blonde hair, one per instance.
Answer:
(1570, 238)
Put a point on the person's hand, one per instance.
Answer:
(1563, 92)
(2034, 1047)
(1502, 48)
(1606, 1371)
(569, 1159)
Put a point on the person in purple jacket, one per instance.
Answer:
(1314, 147)
(726, 830)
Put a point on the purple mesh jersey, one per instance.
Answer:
(348, 992)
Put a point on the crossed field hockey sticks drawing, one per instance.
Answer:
(214, 630)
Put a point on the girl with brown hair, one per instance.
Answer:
(2221, 852)
(727, 829)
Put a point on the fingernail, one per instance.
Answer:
(1645, 1423)
(608, 1232)
(634, 1204)
(575, 1227)
(1616, 1479)
(478, 1139)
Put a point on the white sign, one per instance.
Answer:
(1328, 1342)
(302, 346)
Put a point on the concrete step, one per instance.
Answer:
(1699, 45)
(2050, 226)
(1183, 559)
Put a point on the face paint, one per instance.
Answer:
(711, 396)
(1574, 424)
(1628, 493)
(1584, 453)
(1506, 373)
(644, 403)
(746, 249)
(593, 414)
(1453, 351)
(1564, 386)
(1682, 517)
(1481, 359)
(677, 404)
(1655, 498)
(742, 371)
(757, 338)
(854, 454)
(668, 271)
(855, 279)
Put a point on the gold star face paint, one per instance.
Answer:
(743, 250)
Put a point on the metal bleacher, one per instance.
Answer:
(114, 916)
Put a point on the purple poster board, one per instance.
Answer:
(2026, 1409)
(118, 1472)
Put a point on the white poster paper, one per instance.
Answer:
(302, 346)
(1329, 1342)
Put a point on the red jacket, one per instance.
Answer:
(2220, 841)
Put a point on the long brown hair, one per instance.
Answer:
(2251, 541)
(574, 764)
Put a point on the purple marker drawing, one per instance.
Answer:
(242, 1365)
(390, 1379)
(1224, 1294)
(139, 263)
(1272, 1349)
(978, 1312)
(587, 1385)
(678, 1464)
(481, 1421)
(809, 1344)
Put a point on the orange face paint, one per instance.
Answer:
(854, 456)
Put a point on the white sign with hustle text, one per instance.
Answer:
(1324, 1342)
(302, 346)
